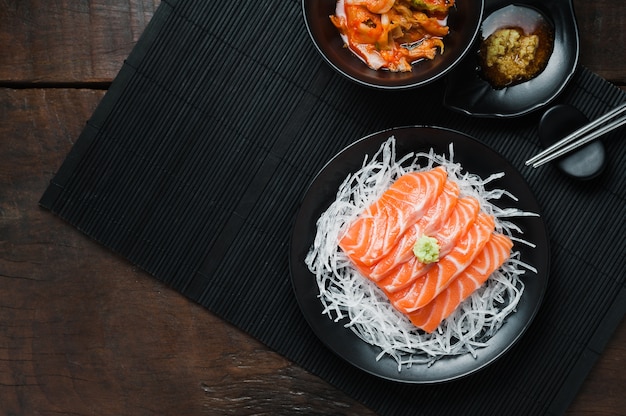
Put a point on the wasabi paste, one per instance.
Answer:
(426, 249)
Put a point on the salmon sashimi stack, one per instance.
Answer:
(439, 277)
(457, 225)
(380, 243)
(374, 234)
(490, 259)
(433, 220)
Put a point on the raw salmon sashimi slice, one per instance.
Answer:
(434, 219)
(455, 226)
(375, 232)
(493, 255)
(427, 287)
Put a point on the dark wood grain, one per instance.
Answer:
(84, 332)
(602, 38)
(68, 41)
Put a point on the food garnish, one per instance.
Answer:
(426, 249)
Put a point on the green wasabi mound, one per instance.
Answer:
(426, 249)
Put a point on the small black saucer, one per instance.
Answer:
(561, 120)
(469, 93)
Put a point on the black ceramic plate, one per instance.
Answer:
(464, 22)
(475, 157)
(467, 92)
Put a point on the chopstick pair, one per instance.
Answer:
(580, 137)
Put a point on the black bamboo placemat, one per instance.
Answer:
(193, 166)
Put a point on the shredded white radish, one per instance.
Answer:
(361, 306)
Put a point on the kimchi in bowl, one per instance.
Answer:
(463, 20)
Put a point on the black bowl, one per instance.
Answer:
(467, 92)
(464, 22)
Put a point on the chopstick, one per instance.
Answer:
(580, 137)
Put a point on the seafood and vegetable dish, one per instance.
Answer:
(417, 257)
(386, 244)
(393, 34)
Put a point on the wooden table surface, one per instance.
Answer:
(82, 331)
